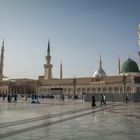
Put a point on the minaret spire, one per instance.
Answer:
(3, 43)
(48, 65)
(61, 74)
(48, 50)
(100, 63)
(119, 65)
(1, 61)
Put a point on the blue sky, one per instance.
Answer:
(79, 31)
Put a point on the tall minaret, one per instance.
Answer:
(100, 63)
(61, 74)
(139, 41)
(1, 61)
(48, 65)
(119, 65)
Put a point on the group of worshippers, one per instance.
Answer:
(34, 99)
(10, 96)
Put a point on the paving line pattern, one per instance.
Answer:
(55, 119)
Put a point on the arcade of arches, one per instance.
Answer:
(80, 91)
(18, 86)
(108, 84)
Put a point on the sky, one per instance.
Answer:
(79, 32)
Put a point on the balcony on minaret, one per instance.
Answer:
(48, 71)
(48, 65)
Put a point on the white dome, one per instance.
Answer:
(99, 73)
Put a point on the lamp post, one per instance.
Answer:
(74, 85)
(36, 87)
(37, 94)
(124, 79)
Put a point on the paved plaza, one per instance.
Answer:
(68, 120)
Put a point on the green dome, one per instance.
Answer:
(129, 66)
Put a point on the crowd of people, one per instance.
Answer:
(10, 97)
(35, 98)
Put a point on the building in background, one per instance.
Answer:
(99, 83)
(127, 80)
(18, 86)
(15, 86)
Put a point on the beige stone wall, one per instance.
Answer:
(109, 84)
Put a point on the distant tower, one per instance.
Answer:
(61, 74)
(119, 65)
(48, 65)
(139, 41)
(100, 63)
(1, 61)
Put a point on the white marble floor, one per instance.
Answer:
(68, 120)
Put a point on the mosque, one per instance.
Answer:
(99, 83)
(126, 81)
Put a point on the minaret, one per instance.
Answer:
(119, 65)
(61, 74)
(139, 41)
(48, 65)
(1, 61)
(100, 63)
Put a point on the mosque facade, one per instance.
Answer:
(97, 84)
(127, 80)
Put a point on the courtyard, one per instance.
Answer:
(68, 120)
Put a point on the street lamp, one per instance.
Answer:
(37, 94)
(36, 87)
(74, 85)
(124, 80)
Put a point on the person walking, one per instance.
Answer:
(93, 101)
(126, 98)
(63, 97)
(33, 99)
(9, 98)
(26, 97)
(15, 97)
(103, 100)
(3, 96)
